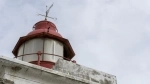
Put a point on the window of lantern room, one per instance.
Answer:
(32, 47)
(20, 52)
(52, 50)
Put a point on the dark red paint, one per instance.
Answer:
(46, 64)
(45, 26)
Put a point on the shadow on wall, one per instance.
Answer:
(105, 82)
(5, 81)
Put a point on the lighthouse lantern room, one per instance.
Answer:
(44, 45)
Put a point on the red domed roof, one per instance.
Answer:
(45, 26)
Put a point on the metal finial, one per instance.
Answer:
(47, 11)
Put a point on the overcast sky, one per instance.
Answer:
(112, 36)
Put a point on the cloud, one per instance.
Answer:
(108, 35)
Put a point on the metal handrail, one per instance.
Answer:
(44, 53)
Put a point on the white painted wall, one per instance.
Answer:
(64, 72)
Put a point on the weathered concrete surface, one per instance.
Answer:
(64, 72)
(5, 81)
(94, 76)
(21, 72)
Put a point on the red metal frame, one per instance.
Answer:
(39, 54)
(46, 64)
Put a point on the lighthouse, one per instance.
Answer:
(44, 45)
(44, 56)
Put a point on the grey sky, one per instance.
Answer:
(112, 36)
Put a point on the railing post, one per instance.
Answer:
(39, 55)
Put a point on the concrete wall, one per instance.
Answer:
(20, 72)
(5, 81)
(33, 76)
(94, 76)
(14, 71)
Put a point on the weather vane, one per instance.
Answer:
(47, 11)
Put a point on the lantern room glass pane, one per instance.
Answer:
(49, 58)
(20, 50)
(49, 49)
(52, 48)
(33, 46)
(29, 58)
(58, 50)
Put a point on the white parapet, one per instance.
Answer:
(64, 72)
(93, 76)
